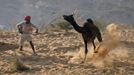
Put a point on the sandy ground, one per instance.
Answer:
(59, 53)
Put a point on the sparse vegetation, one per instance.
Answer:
(58, 26)
(101, 24)
(64, 25)
(18, 66)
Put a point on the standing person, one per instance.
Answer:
(25, 30)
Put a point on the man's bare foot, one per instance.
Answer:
(21, 49)
(35, 54)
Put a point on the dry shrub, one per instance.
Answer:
(18, 66)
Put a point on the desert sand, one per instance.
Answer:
(60, 53)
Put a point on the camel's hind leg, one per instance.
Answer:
(95, 51)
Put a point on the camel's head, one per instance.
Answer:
(68, 18)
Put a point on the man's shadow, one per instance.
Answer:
(7, 46)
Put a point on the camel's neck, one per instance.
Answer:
(77, 27)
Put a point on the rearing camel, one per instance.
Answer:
(89, 31)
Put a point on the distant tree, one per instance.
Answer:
(64, 25)
(58, 26)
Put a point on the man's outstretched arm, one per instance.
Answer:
(35, 28)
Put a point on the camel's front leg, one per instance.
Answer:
(86, 50)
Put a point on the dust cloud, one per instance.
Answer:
(108, 51)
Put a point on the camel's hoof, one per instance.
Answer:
(82, 62)
(95, 51)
